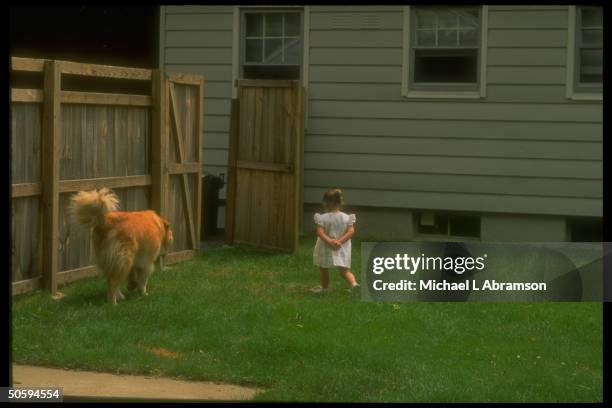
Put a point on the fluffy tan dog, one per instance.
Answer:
(126, 243)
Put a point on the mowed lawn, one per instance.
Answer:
(241, 316)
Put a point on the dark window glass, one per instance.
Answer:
(446, 66)
(271, 72)
(456, 225)
(586, 230)
(590, 45)
(464, 225)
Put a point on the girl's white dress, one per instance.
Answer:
(335, 225)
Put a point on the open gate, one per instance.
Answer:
(264, 196)
(180, 163)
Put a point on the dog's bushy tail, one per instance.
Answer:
(89, 208)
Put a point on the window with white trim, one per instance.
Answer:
(589, 49)
(271, 44)
(444, 48)
(444, 52)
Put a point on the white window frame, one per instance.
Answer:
(237, 35)
(481, 92)
(571, 91)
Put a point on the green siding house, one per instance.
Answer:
(479, 122)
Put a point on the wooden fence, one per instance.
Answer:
(145, 147)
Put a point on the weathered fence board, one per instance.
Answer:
(104, 141)
(26, 121)
(26, 250)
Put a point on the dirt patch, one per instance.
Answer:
(104, 385)
(162, 352)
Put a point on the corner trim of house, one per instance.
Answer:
(306, 61)
(235, 49)
(306, 47)
(162, 38)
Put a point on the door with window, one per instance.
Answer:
(265, 186)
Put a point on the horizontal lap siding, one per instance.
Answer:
(524, 148)
(198, 39)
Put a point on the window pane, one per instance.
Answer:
(425, 19)
(469, 19)
(447, 37)
(274, 51)
(468, 37)
(292, 24)
(254, 51)
(293, 50)
(592, 17)
(464, 225)
(591, 63)
(440, 225)
(274, 25)
(447, 19)
(426, 37)
(446, 66)
(254, 25)
(592, 37)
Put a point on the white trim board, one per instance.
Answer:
(235, 49)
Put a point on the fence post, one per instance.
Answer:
(159, 142)
(50, 173)
(199, 154)
(230, 192)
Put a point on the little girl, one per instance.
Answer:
(333, 247)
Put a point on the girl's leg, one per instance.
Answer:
(348, 276)
(324, 272)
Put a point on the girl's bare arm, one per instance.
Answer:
(326, 238)
(350, 231)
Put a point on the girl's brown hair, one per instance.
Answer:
(332, 199)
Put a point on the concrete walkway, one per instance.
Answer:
(92, 385)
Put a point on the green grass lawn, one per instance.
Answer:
(247, 317)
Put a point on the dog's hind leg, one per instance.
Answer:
(133, 279)
(119, 294)
(143, 278)
(121, 271)
(113, 287)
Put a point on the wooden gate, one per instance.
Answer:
(147, 148)
(181, 164)
(264, 197)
